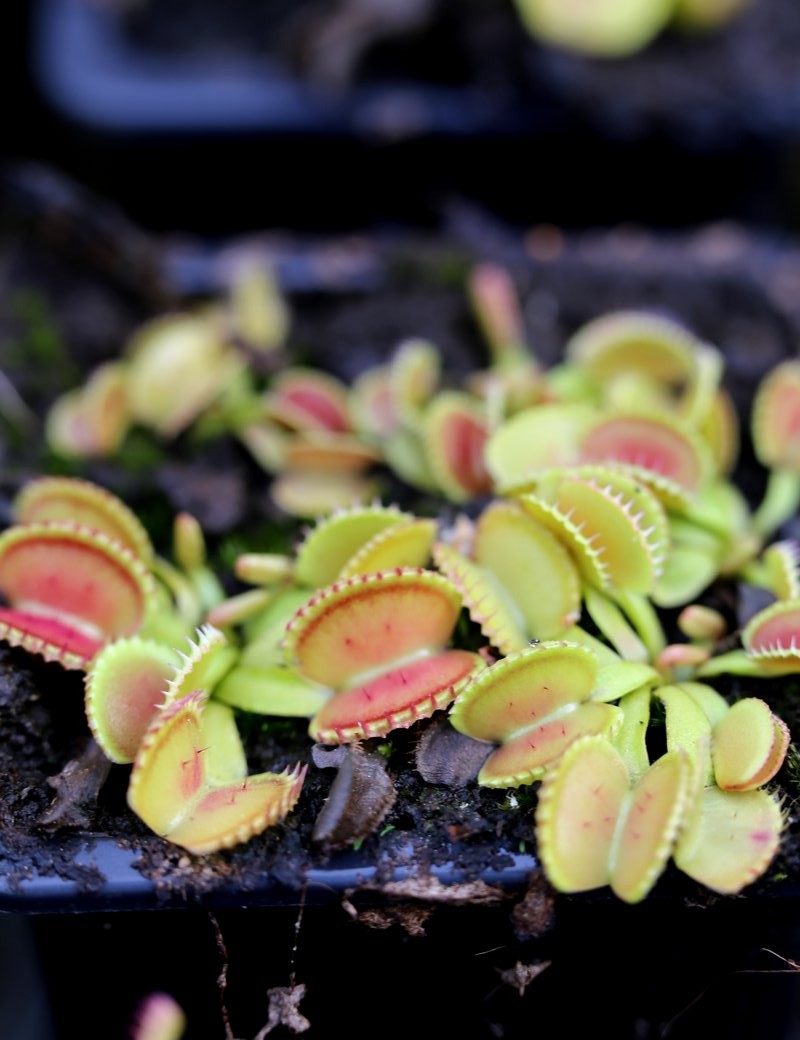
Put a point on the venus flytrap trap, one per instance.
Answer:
(91, 421)
(189, 781)
(379, 642)
(607, 818)
(343, 545)
(173, 790)
(533, 704)
(616, 531)
(132, 679)
(770, 645)
(510, 554)
(732, 826)
(455, 430)
(70, 589)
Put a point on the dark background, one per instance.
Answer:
(563, 171)
(91, 970)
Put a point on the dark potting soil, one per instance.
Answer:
(736, 291)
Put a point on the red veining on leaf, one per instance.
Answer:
(370, 621)
(395, 699)
(74, 573)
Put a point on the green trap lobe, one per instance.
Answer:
(651, 818)
(532, 566)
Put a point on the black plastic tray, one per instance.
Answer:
(110, 881)
(91, 73)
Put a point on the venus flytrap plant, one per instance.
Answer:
(189, 780)
(533, 704)
(612, 503)
(732, 827)
(342, 545)
(69, 589)
(172, 792)
(511, 554)
(514, 374)
(379, 643)
(605, 816)
(76, 572)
